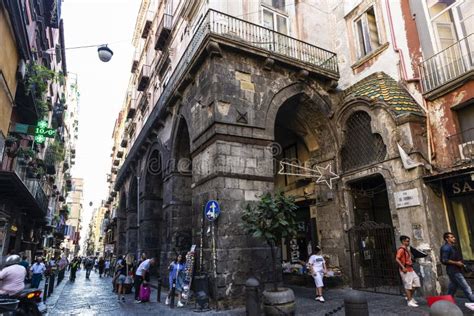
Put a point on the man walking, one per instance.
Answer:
(452, 258)
(410, 279)
(89, 265)
(37, 270)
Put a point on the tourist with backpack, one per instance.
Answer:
(410, 279)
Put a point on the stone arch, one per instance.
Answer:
(298, 89)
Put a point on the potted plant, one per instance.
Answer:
(10, 140)
(271, 219)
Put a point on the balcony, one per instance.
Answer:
(243, 35)
(132, 105)
(163, 31)
(461, 147)
(448, 69)
(142, 101)
(136, 58)
(27, 192)
(143, 78)
(148, 22)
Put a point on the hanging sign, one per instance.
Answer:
(212, 210)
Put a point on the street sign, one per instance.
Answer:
(212, 210)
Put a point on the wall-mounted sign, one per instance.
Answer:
(42, 131)
(212, 210)
(407, 198)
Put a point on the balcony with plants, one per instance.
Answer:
(23, 176)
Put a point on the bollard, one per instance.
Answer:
(441, 308)
(46, 286)
(252, 297)
(158, 290)
(355, 304)
(51, 284)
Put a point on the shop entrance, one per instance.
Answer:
(371, 239)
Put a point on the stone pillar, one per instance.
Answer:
(234, 174)
(121, 238)
(150, 225)
(131, 244)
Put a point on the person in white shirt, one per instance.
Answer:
(141, 275)
(37, 270)
(12, 277)
(317, 266)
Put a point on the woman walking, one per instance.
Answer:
(176, 279)
(101, 266)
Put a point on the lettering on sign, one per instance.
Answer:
(407, 198)
(461, 187)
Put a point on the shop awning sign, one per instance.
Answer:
(212, 210)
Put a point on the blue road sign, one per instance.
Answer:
(212, 210)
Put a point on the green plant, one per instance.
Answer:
(26, 153)
(271, 219)
(37, 81)
(57, 151)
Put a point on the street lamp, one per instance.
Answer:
(105, 53)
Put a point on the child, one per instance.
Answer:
(317, 267)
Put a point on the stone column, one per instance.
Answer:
(131, 244)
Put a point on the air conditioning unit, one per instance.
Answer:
(466, 150)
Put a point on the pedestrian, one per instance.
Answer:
(411, 280)
(452, 258)
(89, 265)
(101, 266)
(176, 279)
(107, 268)
(12, 276)
(142, 275)
(75, 263)
(24, 262)
(37, 270)
(96, 264)
(121, 276)
(317, 268)
(116, 266)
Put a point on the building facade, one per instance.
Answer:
(33, 140)
(228, 100)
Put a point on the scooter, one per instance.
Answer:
(30, 303)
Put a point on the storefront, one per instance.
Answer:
(459, 201)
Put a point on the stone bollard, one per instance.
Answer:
(442, 308)
(252, 297)
(355, 304)
(158, 290)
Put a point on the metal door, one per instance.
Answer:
(372, 247)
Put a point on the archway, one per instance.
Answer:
(303, 138)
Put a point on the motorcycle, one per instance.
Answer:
(30, 303)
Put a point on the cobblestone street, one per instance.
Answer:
(95, 297)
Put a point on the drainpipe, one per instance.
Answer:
(404, 74)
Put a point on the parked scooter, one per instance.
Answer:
(30, 303)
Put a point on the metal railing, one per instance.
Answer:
(33, 185)
(448, 64)
(270, 40)
(461, 146)
(163, 30)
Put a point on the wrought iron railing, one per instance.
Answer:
(461, 146)
(448, 64)
(33, 185)
(270, 40)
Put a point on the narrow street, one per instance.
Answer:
(95, 297)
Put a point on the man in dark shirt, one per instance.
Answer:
(452, 258)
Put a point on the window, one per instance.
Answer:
(275, 21)
(367, 34)
(277, 4)
(466, 122)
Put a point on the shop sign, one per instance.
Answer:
(459, 186)
(407, 198)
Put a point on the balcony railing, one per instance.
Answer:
(143, 78)
(449, 64)
(461, 147)
(269, 40)
(163, 31)
(147, 24)
(33, 185)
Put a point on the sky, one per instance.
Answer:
(102, 86)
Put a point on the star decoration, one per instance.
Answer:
(326, 175)
(39, 139)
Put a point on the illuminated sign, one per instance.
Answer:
(42, 131)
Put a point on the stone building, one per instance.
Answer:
(223, 92)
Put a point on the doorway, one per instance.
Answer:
(371, 239)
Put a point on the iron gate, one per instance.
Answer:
(372, 247)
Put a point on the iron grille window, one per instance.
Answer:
(361, 146)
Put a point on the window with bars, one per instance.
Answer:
(361, 147)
